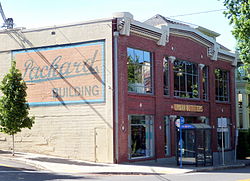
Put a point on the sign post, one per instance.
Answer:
(178, 123)
(222, 123)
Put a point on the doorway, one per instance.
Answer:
(196, 145)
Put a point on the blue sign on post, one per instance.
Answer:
(182, 120)
(181, 123)
(187, 126)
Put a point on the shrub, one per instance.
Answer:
(243, 144)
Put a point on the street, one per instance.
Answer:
(16, 171)
(242, 174)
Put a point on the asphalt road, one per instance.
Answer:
(241, 174)
(16, 171)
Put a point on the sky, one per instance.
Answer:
(39, 13)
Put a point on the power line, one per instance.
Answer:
(202, 12)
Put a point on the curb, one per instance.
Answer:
(123, 173)
(38, 166)
(218, 168)
(155, 172)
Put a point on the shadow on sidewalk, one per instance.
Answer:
(5, 152)
(8, 173)
(65, 161)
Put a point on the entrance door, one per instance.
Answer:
(101, 148)
(200, 147)
(203, 146)
(196, 145)
(188, 147)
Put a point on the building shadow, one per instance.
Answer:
(15, 174)
(65, 161)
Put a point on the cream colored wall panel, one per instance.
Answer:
(64, 130)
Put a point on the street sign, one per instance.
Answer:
(222, 122)
(187, 126)
(182, 120)
(179, 122)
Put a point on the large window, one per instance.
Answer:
(222, 85)
(167, 137)
(223, 133)
(141, 136)
(186, 79)
(139, 71)
(166, 76)
(205, 82)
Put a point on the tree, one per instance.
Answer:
(14, 110)
(238, 12)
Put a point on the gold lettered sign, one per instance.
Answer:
(63, 74)
(187, 108)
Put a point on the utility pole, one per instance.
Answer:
(8, 22)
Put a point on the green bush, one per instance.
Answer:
(243, 148)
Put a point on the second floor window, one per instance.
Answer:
(185, 79)
(139, 64)
(222, 85)
(205, 82)
(166, 76)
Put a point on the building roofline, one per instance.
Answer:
(154, 32)
(24, 30)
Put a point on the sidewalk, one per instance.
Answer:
(62, 165)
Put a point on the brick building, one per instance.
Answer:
(111, 90)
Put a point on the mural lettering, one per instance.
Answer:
(63, 74)
(35, 73)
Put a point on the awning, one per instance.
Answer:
(195, 126)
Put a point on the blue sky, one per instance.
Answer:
(39, 13)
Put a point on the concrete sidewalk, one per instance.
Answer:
(62, 165)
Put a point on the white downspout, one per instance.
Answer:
(116, 35)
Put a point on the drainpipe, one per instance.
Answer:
(116, 35)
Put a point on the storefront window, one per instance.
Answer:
(166, 76)
(205, 82)
(223, 133)
(139, 66)
(186, 79)
(240, 100)
(141, 136)
(167, 138)
(222, 85)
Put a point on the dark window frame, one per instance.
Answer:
(186, 79)
(139, 81)
(166, 84)
(222, 85)
(205, 79)
(141, 136)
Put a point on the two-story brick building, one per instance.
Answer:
(111, 90)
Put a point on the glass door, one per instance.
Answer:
(188, 146)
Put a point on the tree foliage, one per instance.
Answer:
(238, 12)
(13, 107)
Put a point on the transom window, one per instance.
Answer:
(222, 85)
(185, 79)
(139, 64)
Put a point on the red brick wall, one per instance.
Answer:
(160, 105)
